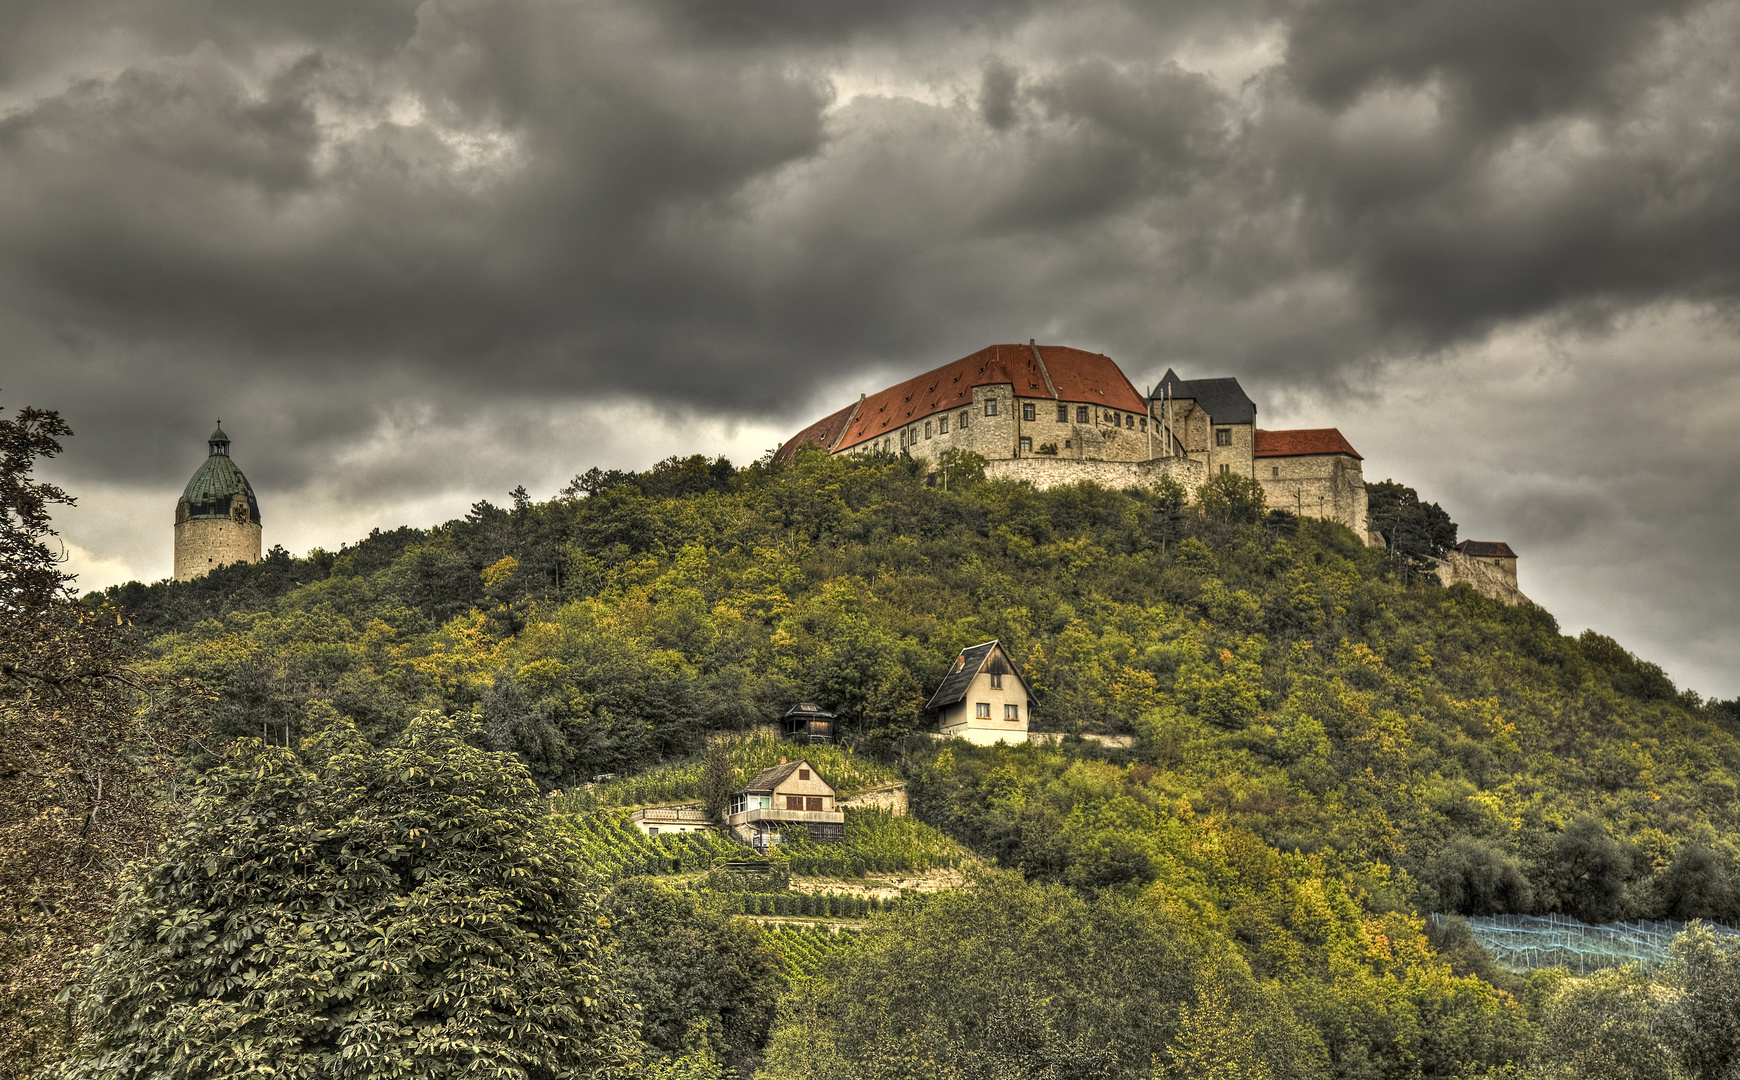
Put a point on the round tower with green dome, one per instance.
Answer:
(217, 520)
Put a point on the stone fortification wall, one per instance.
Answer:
(1328, 486)
(204, 544)
(1494, 579)
(1045, 472)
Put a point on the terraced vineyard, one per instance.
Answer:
(876, 842)
(847, 771)
(821, 905)
(611, 844)
(804, 948)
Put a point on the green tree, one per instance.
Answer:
(348, 911)
(1603, 1025)
(1703, 1020)
(1230, 497)
(87, 759)
(1414, 530)
(718, 778)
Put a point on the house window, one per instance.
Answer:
(963, 419)
(1275, 472)
(803, 774)
(942, 425)
(765, 802)
(927, 429)
(794, 802)
(814, 803)
(1223, 436)
(1081, 414)
(1011, 712)
(1063, 414)
(1026, 445)
(982, 709)
(996, 681)
(1027, 411)
(652, 830)
(990, 406)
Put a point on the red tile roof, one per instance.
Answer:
(822, 433)
(1077, 376)
(1486, 549)
(1303, 441)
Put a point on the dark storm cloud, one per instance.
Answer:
(408, 237)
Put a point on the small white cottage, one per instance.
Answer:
(983, 699)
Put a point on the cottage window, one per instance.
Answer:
(652, 830)
(765, 802)
(794, 802)
(1027, 411)
(814, 802)
(942, 425)
(1081, 414)
(982, 709)
(1011, 712)
(927, 429)
(990, 406)
(1026, 445)
(1223, 436)
(803, 774)
(1063, 414)
(996, 681)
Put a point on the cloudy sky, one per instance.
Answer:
(415, 252)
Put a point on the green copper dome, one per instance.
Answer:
(216, 483)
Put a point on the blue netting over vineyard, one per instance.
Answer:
(1529, 942)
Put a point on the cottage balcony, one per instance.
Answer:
(671, 815)
(790, 817)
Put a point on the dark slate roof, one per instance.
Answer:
(1223, 399)
(1180, 388)
(1486, 549)
(768, 779)
(972, 660)
(214, 484)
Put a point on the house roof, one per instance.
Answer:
(1224, 400)
(822, 433)
(1059, 372)
(1302, 442)
(974, 659)
(768, 779)
(1486, 549)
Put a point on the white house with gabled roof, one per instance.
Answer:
(983, 699)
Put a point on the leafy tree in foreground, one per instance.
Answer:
(84, 757)
(358, 912)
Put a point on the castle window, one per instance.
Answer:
(1027, 411)
(1026, 445)
(1129, 421)
(1275, 471)
(1144, 423)
(1063, 414)
(1066, 443)
(996, 681)
(1225, 468)
(942, 426)
(1011, 712)
(982, 710)
(990, 406)
(927, 429)
(1223, 436)
(963, 419)
(1081, 414)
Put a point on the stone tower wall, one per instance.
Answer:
(204, 544)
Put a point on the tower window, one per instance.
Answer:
(1081, 414)
(1027, 411)
(1063, 414)
(1223, 436)
(990, 406)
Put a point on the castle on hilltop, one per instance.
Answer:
(217, 518)
(1050, 414)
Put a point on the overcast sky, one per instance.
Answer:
(415, 253)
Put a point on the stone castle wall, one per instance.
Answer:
(1494, 579)
(1328, 486)
(1106, 434)
(1045, 472)
(204, 544)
